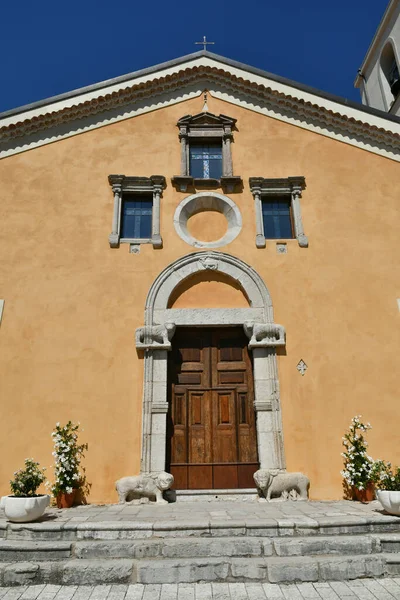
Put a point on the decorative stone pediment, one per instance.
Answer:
(207, 121)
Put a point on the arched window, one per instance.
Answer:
(390, 74)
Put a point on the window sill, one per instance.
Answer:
(302, 240)
(228, 184)
(155, 241)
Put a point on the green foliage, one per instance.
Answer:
(385, 477)
(357, 464)
(26, 481)
(68, 472)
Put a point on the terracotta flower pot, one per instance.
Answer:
(367, 495)
(65, 500)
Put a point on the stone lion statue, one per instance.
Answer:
(269, 334)
(148, 485)
(155, 334)
(288, 486)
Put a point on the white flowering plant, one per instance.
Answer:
(358, 465)
(26, 481)
(385, 477)
(68, 471)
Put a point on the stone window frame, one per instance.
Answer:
(291, 186)
(206, 127)
(121, 184)
(204, 201)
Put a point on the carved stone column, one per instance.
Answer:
(156, 342)
(114, 235)
(156, 238)
(298, 222)
(267, 407)
(184, 151)
(227, 166)
(260, 239)
(263, 340)
(159, 409)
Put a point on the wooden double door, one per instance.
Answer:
(211, 440)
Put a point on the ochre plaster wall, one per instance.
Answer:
(73, 304)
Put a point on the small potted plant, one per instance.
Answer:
(24, 504)
(358, 466)
(387, 480)
(69, 475)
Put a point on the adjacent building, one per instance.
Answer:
(378, 77)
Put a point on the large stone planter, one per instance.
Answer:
(390, 501)
(23, 509)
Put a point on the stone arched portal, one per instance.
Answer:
(155, 340)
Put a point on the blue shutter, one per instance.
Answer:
(205, 161)
(136, 216)
(276, 218)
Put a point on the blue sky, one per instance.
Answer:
(48, 48)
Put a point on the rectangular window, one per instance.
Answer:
(277, 219)
(205, 160)
(136, 216)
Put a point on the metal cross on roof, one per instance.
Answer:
(204, 43)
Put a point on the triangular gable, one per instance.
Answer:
(184, 78)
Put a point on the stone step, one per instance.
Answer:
(131, 530)
(266, 569)
(273, 569)
(70, 572)
(238, 546)
(174, 548)
(13, 550)
(240, 495)
(390, 543)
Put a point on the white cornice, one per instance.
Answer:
(116, 101)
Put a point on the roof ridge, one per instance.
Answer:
(188, 58)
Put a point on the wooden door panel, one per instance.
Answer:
(246, 428)
(224, 441)
(200, 477)
(199, 427)
(231, 366)
(190, 358)
(179, 451)
(190, 378)
(211, 422)
(180, 474)
(225, 477)
(230, 362)
(229, 377)
(245, 474)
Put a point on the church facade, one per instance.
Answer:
(200, 264)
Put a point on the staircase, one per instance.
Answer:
(259, 550)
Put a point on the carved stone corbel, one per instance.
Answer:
(155, 337)
(264, 335)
